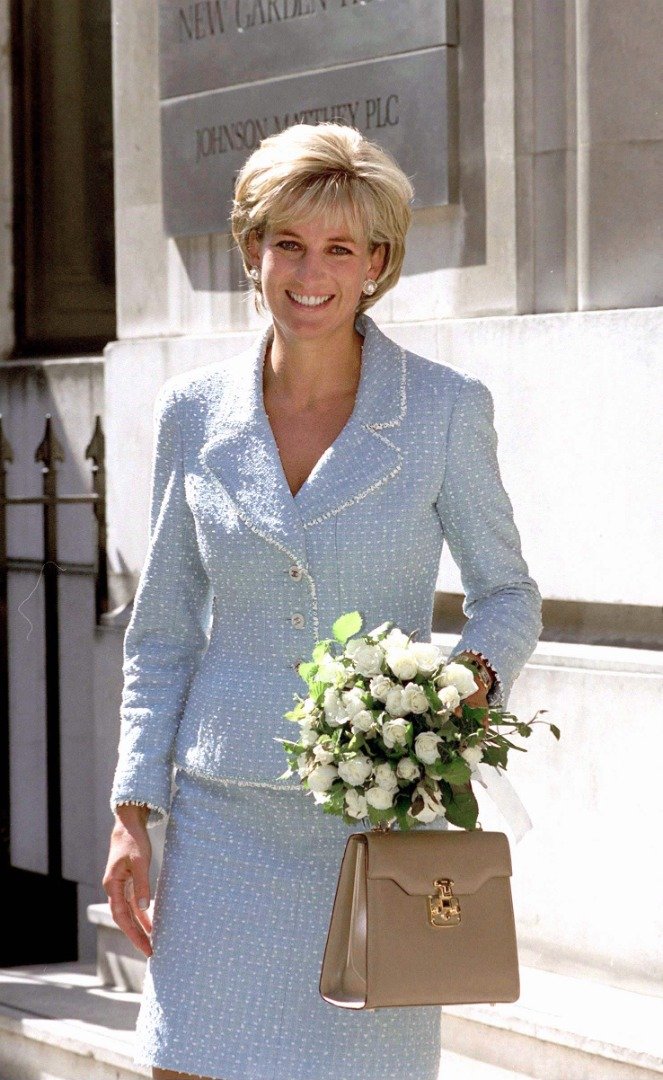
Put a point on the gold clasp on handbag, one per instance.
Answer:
(443, 906)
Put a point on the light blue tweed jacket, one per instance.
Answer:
(241, 578)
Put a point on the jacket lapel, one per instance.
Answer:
(363, 457)
(242, 455)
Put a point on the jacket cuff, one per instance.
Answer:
(144, 783)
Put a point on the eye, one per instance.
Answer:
(338, 248)
(284, 244)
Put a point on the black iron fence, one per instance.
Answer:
(30, 895)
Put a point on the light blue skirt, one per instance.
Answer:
(240, 920)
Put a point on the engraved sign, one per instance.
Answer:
(400, 102)
(211, 44)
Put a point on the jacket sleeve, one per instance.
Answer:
(502, 602)
(168, 630)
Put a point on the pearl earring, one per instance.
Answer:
(369, 287)
(254, 273)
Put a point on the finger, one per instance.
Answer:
(122, 916)
(139, 895)
(141, 915)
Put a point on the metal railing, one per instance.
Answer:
(49, 453)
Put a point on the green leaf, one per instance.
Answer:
(321, 648)
(476, 714)
(463, 810)
(495, 755)
(448, 730)
(435, 769)
(375, 816)
(356, 742)
(317, 689)
(556, 732)
(456, 771)
(433, 697)
(289, 746)
(307, 670)
(401, 808)
(346, 626)
(336, 797)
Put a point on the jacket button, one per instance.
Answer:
(297, 620)
(295, 573)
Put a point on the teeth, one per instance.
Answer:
(310, 301)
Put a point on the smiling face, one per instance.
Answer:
(312, 273)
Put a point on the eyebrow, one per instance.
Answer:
(334, 239)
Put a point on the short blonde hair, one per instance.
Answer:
(311, 168)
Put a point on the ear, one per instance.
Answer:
(253, 247)
(378, 259)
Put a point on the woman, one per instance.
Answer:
(317, 472)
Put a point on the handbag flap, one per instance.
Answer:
(415, 859)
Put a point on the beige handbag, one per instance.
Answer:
(422, 918)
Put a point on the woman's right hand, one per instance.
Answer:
(126, 879)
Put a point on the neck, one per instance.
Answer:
(309, 371)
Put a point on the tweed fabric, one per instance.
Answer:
(240, 920)
(240, 580)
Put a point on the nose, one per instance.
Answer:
(310, 268)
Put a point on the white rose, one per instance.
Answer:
(353, 645)
(385, 777)
(407, 769)
(402, 662)
(355, 804)
(394, 733)
(322, 755)
(380, 798)
(380, 687)
(355, 770)
(395, 637)
(459, 676)
(428, 656)
(334, 710)
(308, 736)
(352, 701)
(331, 670)
(304, 764)
(472, 755)
(449, 697)
(322, 777)
(415, 698)
(425, 747)
(362, 721)
(309, 706)
(368, 660)
(432, 807)
(395, 703)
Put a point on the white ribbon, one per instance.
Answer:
(505, 797)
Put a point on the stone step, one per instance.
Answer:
(563, 1028)
(119, 962)
(57, 1022)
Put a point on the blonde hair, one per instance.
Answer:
(317, 168)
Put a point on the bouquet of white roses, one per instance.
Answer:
(384, 735)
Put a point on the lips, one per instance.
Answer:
(311, 303)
